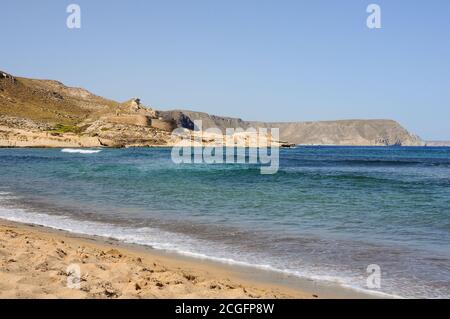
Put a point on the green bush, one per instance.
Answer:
(62, 128)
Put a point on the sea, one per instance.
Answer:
(342, 215)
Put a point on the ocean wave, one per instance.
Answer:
(399, 162)
(166, 241)
(79, 151)
(309, 162)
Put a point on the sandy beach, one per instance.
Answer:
(34, 263)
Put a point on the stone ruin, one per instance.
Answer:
(135, 104)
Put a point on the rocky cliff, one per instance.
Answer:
(346, 132)
(46, 113)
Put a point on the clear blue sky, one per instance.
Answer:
(258, 60)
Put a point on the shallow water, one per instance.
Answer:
(327, 214)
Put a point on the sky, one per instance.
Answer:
(253, 59)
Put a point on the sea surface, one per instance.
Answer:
(328, 213)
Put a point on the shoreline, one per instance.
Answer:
(172, 145)
(114, 269)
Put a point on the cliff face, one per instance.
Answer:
(346, 132)
(45, 113)
(349, 132)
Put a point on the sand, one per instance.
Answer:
(37, 262)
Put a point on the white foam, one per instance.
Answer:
(79, 151)
(158, 239)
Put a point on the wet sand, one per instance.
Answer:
(40, 262)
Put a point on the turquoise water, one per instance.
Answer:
(326, 215)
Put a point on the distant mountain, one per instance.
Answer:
(345, 132)
(437, 143)
(46, 113)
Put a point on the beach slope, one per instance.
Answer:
(36, 262)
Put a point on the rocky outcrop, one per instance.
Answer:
(19, 132)
(124, 135)
(134, 106)
(16, 132)
(13, 137)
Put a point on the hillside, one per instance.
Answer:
(46, 113)
(47, 101)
